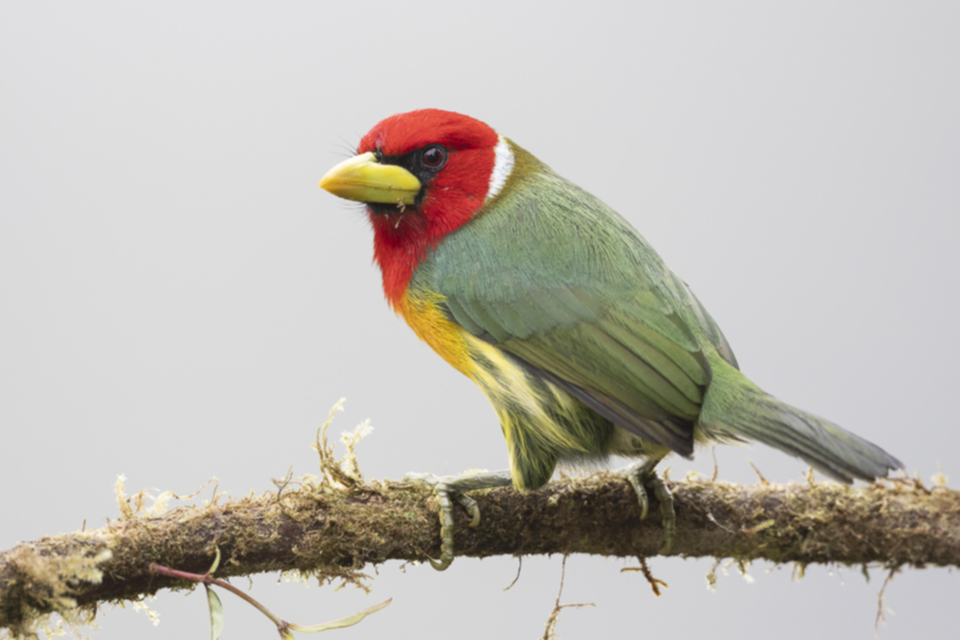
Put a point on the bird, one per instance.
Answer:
(584, 341)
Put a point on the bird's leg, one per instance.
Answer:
(644, 473)
(447, 487)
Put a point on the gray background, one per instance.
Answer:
(180, 301)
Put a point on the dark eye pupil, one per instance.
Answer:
(433, 157)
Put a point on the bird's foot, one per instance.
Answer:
(643, 475)
(448, 488)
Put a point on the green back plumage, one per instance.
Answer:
(559, 280)
(563, 284)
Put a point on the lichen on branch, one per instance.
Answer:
(331, 533)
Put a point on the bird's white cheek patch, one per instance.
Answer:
(502, 166)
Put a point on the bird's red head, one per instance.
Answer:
(423, 175)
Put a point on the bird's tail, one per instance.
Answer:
(736, 408)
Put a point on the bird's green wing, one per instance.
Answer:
(559, 280)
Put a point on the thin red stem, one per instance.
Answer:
(206, 578)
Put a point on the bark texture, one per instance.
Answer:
(333, 533)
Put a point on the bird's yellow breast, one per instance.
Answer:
(499, 377)
(426, 317)
(528, 407)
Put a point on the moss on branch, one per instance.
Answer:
(332, 533)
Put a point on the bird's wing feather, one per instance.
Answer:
(564, 284)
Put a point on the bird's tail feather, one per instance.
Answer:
(736, 408)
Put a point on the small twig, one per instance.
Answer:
(283, 484)
(759, 475)
(655, 583)
(880, 616)
(551, 630)
(207, 579)
(519, 566)
(283, 627)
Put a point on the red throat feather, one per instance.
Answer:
(402, 237)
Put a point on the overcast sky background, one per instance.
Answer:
(178, 299)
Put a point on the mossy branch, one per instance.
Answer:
(332, 533)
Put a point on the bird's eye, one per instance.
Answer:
(433, 157)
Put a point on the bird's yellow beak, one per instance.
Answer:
(364, 179)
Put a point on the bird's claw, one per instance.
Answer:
(644, 473)
(447, 487)
(440, 485)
